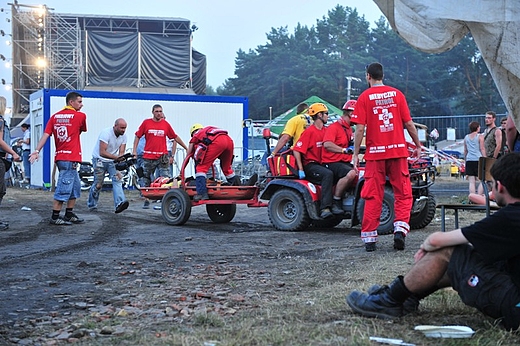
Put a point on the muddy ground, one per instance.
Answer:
(54, 275)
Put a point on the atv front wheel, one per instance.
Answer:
(425, 216)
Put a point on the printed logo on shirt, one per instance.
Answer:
(473, 281)
(159, 133)
(386, 118)
(62, 133)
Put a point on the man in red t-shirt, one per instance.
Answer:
(384, 112)
(66, 126)
(155, 154)
(336, 156)
(208, 144)
(307, 152)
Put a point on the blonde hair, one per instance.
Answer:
(3, 103)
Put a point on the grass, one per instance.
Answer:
(310, 309)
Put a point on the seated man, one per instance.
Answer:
(481, 262)
(336, 156)
(475, 198)
(207, 144)
(307, 152)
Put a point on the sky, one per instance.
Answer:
(224, 26)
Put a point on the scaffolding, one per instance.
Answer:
(49, 50)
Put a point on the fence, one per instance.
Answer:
(460, 123)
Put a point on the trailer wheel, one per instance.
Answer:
(221, 213)
(176, 207)
(386, 225)
(287, 211)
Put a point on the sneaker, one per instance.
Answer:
(121, 206)
(3, 226)
(202, 197)
(93, 210)
(370, 247)
(146, 204)
(60, 222)
(410, 305)
(325, 213)
(73, 219)
(337, 207)
(399, 240)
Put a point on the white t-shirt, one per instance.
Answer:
(26, 136)
(108, 136)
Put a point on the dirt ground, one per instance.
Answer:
(53, 276)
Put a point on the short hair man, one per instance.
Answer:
(66, 126)
(307, 152)
(336, 156)
(492, 137)
(110, 146)
(481, 261)
(384, 112)
(155, 154)
(293, 128)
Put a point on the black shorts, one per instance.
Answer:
(340, 169)
(472, 168)
(489, 288)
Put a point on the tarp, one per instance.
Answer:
(277, 124)
(437, 26)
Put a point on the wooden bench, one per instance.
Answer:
(484, 175)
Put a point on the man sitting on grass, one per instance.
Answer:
(481, 262)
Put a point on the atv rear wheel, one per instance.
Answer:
(287, 211)
(221, 213)
(425, 216)
(386, 224)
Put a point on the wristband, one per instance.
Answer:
(37, 151)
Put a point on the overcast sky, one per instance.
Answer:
(224, 26)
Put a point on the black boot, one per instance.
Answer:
(387, 303)
(234, 181)
(410, 305)
(202, 190)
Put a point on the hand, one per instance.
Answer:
(34, 157)
(301, 174)
(17, 157)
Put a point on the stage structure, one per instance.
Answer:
(112, 53)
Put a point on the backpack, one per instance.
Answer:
(7, 134)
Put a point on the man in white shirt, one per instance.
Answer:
(110, 146)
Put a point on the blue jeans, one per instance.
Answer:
(68, 185)
(100, 168)
(26, 164)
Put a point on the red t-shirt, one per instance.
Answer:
(155, 133)
(309, 144)
(339, 133)
(66, 126)
(383, 109)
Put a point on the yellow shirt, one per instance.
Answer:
(296, 125)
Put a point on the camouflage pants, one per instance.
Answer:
(151, 166)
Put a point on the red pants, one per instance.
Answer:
(376, 172)
(221, 148)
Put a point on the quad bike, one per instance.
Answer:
(177, 198)
(294, 203)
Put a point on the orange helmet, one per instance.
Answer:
(315, 108)
(349, 105)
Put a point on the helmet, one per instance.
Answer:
(315, 108)
(349, 105)
(195, 127)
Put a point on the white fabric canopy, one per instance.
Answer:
(437, 26)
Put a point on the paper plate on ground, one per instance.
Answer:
(446, 331)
